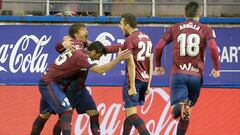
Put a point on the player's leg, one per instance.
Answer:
(94, 121)
(57, 128)
(127, 126)
(85, 104)
(132, 118)
(194, 85)
(130, 103)
(179, 94)
(185, 117)
(58, 101)
(65, 122)
(43, 116)
(39, 123)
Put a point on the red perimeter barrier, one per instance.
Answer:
(216, 113)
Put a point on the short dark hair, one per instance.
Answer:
(192, 9)
(75, 28)
(130, 19)
(98, 47)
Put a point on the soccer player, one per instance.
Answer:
(138, 73)
(190, 39)
(66, 66)
(76, 90)
(137, 82)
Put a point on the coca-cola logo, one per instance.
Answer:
(155, 112)
(20, 60)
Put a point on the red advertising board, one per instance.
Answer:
(216, 113)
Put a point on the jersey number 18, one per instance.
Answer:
(192, 41)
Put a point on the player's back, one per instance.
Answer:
(77, 81)
(141, 47)
(189, 43)
(66, 66)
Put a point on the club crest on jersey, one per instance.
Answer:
(188, 67)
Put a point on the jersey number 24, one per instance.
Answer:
(145, 50)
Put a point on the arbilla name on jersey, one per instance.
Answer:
(188, 67)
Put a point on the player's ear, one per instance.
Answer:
(75, 35)
(199, 13)
(93, 52)
(184, 15)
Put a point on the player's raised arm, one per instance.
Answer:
(122, 55)
(59, 47)
(114, 48)
(68, 44)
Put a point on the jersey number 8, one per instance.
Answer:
(192, 41)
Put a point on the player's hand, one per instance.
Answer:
(67, 44)
(215, 73)
(159, 70)
(148, 90)
(122, 55)
(67, 38)
(132, 91)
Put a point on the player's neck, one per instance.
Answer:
(81, 39)
(194, 18)
(130, 31)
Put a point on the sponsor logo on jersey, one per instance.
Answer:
(188, 67)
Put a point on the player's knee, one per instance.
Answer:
(176, 111)
(130, 111)
(69, 109)
(92, 112)
(45, 115)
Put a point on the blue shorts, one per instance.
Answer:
(81, 100)
(139, 98)
(185, 87)
(53, 98)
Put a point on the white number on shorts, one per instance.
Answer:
(65, 102)
(145, 50)
(63, 57)
(193, 41)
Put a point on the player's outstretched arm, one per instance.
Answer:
(122, 55)
(114, 48)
